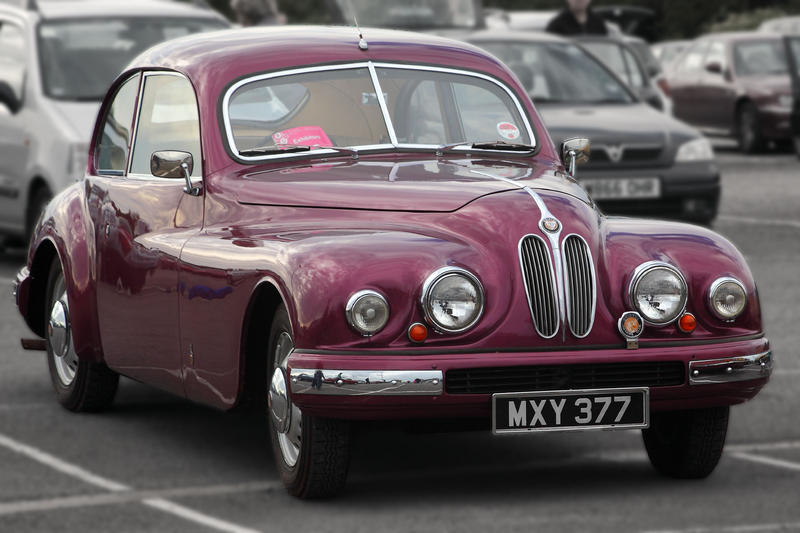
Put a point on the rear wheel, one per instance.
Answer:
(749, 129)
(312, 453)
(686, 444)
(79, 385)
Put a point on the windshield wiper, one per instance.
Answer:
(291, 148)
(488, 145)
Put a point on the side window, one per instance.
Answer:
(635, 73)
(111, 154)
(693, 60)
(12, 57)
(716, 54)
(168, 120)
(424, 122)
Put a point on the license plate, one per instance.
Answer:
(570, 410)
(620, 188)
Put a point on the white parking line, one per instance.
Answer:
(92, 479)
(754, 528)
(760, 221)
(778, 463)
(131, 496)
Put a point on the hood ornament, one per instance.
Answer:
(551, 225)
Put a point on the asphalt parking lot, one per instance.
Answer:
(157, 463)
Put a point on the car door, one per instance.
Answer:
(14, 124)
(141, 223)
(717, 97)
(685, 83)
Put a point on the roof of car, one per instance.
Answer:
(740, 36)
(230, 54)
(57, 9)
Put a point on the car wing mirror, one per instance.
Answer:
(575, 152)
(176, 165)
(9, 97)
(715, 67)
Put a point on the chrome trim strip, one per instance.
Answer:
(371, 67)
(712, 289)
(594, 288)
(642, 269)
(730, 369)
(351, 302)
(436, 276)
(528, 288)
(366, 382)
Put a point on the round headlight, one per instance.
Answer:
(452, 299)
(728, 298)
(367, 312)
(658, 291)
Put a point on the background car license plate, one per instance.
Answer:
(617, 188)
(570, 410)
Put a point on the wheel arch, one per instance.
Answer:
(265, 299)
(40, 270)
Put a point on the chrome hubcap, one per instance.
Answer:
(59, 336)
(287, 419)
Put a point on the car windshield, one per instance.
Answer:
(80, 58)
(619, 59)
(416, 14)
(557, 72)
(759, 58)
(339, 107)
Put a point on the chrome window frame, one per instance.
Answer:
(372, 67)
(149, 177)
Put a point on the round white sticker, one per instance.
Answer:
(508, 131)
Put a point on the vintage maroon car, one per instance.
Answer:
(367, 229)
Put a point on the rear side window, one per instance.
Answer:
(111, 155)
(168, 120)
(12, 57)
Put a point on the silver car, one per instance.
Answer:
(58, 59)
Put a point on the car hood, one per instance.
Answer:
(78, 118)
(435, 185)
(612, 124)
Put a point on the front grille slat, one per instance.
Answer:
(538, 273)
(581, 285)
(564, 377)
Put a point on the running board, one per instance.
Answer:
(33, 344)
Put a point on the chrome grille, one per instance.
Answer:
(580, 286)
(540, 286)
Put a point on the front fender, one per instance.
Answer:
(65, 230)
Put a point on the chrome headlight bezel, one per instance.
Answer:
(351, 303)
(431, 282)
(639, 273)
(719, 282)
(699, 149)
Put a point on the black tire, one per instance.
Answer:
(748, 128)
(92, 386)
(796, 144)
(320, 468)
(38, 201)
(686, 444)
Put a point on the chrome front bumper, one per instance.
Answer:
(366, 382)
(730, 369)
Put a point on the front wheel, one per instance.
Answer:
(79, 385)
(312, 453)
(686, 444)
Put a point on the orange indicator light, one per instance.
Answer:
(687, 323)
(418, 332)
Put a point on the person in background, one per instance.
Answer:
(258, 12)
(577, 19)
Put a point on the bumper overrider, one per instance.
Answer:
(342, 385)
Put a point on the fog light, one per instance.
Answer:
(687, 323)
(417, 332)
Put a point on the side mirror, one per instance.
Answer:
(715, 67)
(176, 165)
(9, 98)
(575, 152)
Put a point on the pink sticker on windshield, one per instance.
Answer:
(507, 130)
(303, 135)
